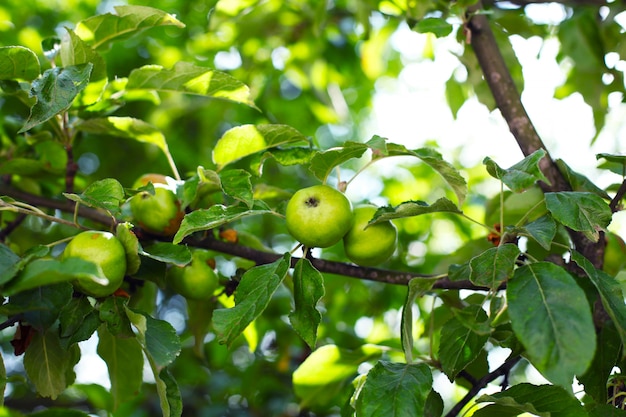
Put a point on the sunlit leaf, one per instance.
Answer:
(581, 211)
(245, 140)
(436, 25)
(55, 91)
(18, 63)
(308, 289)
(551, 317)
(99, 31)
(414, 208)
(520, 176)
(417, 287)
(340, 365)
(236, 183)
(188, 78)
(324, 162)
(178, 255)
(252, 296)
(106, 194)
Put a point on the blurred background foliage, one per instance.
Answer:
(314, 65)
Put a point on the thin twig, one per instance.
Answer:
(503, 369)
(618, 197)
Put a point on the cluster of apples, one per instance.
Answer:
(320, 216)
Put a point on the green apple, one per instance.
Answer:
(196, 281)
(318, 216)
(369, 245)
(103, 249)
(159, 213)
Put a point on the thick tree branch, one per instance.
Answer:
(508, 100)
(260, 257)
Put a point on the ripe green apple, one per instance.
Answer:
(196, 281)
(159, 213)
(318, 216)
(103, 249)
(373, 245)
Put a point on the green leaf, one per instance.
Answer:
(606, 357)
(542, 400)
(339, 367)
(459, 345)
(435, 25)
(308, 289)
(236, 183)
(252, 296)
(9, 264)
(188, 78)
(112, 312)
(40, 306)
(74, 51)
(47, 364)
(520, 176)
(323, 163)
(106, 194)
(51, 271)
(414, 208)
(100, 31)
(543, 230)
(169, 394)
(245, 140)
(3, 381)
(434, 159)
(578, 181)
(55, 91)
(395, 390)
(417, 288)
(606, 410)
(215, 216)
(178, 255)
(456, 95)
(581, 211)
(78, 320)
(610, 292)
(157, 338)
(124, 359)
(613, 163)
(552, 318)
(494, 266)
(18, 63)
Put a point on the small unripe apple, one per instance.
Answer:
(369, 245)
(153, 178)
(103, 249)
(196, 281)
(614, 254)
(159, 213)
(318, 216)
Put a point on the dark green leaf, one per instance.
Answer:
(18, 63)
(456, 95)
(610, 292)
(9, 263)
(543, 230)
(40, 306)
(308, 289)
(614, 163)
(414, 208)
(47, 364)
(395, 390)
(245, 140)
(520, 176)
(605, 359)
(157, 338)
(55, 91)
(459, 346)
(100, 31)
(188, 78)
(548, 400)
(578, 181)
(106, 194)
(171, 395)
(57, 412)
(339, 365)
(551, 317)
(178, 255)
(252, 296)
(131, 247)
(112, 312)
(494, 266)
(580, 211)
(77, 322)
(215, 216)
(607, 410)
(124, 359)
(417, 288)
